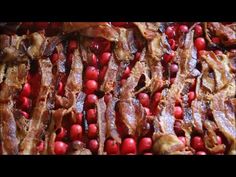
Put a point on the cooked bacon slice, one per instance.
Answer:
(15, 78)
(79, 149)
(111, 120)
(221, 69)
(102, 125)
(225, 123)
(125, 46)
(148, 30)
(73, 101)
(40, 112)
(168, 144)
(110, 76)
(103, 31)
(126, 105)
(226, 34)
(136, 73)
(69, 27)
(35, 50)
(74, 82)
(210, 138)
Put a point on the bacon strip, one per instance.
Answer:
(125, 47)
(102, 126)
(111, 120)
(40, 112)
(110, 76)
(15, 78)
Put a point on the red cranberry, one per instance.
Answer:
(25, 103)
(183, 28)
(91, 99)
(172, 44)
(25, 114)
(168, 57)
(105, 58)
(198, 30)
(157, 97)
(174, 68)
(72, 45)
(145, 144)
(215, 40)
(219, 139)
(93, 61)
(170, 32)
(92, 116)
(182, 139)
(91, 86)
(126, 73)
(60, 88)
(178, 112)
(201, 153)
(178, 128)
(107, 97)
(60, 147)
(111, 147)
(79, 118)
(54, 58)
(40, 146)
(76, 132)
(197, 143)
(144, 99)
(93, 145)
(95, 46)
(147, 110)
(128, 146)
(91, 73)
(92, 131)
(191, 96)
(200, 43)
(102, 73)
(26, 90)
(61, 133)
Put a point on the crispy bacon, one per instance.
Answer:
(225, 122)
(110, 76)
(125, 46)
(40, 112)
(125, 105)
(148, 30)
(221, 69)
(168, 144)
(15, 77)
(102, 125)
(111, 120)
(226, 34)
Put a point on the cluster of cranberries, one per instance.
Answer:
(94, 73)
(200, 44)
